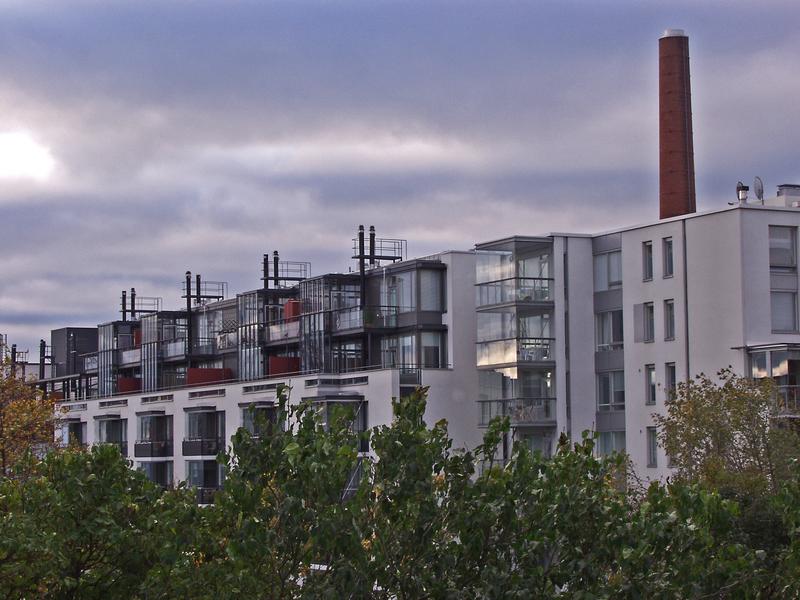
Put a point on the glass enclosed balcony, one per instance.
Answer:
(522, 350)
(283, 331)
(514, 289)
(520, 411)
(356, 317)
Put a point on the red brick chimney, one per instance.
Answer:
(676, 152)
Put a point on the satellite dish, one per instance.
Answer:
(758, 188)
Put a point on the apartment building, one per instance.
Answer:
(591, 332)
(170, 387)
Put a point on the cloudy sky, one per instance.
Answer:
(141, 139)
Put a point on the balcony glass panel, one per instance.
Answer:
(520, 411)
(173, 348)
(514, 350)
(517, 289)
(130, 356)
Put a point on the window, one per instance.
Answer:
(159, 472)
(259, 419)
(610, 441)
(669, 268)
(155, 428)
(611, 391)
(205, 425)
(669, 378)
(782, 247)
(669, 319)
(784, 311)
(652, 447)
(649, 322)
(609, 330)
(430, 290)
(432, 350)
(649, 384)
(608, 271)
(647, 261)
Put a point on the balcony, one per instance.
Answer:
(789, 400)
(146, 449)
(515, 290)
(122, 446)
(90, 362)
(203, 446)
(368, 317)
(205, 495)
(521, 412)
(511, 351)
(283, 331)
(130, 357)
(173, 348)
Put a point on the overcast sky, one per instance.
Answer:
(141, 139)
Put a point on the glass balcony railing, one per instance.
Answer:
(173, 348)
(128, 357)
(356, 317)
(502, 352)
(789, 399)
(520, 411)
(283, 331)
(90, 362)
(516, 289)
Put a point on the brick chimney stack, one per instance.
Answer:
(676, 152)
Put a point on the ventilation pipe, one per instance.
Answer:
(133, 304)
(124, 305)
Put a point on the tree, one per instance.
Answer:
(82, 524)
(27, 421)
(729, 434)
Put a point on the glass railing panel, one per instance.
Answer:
(789, 399)
(130, 356)
(173, 348)
(520, 289)
(283, 331)
(520, 411)
(514, 350)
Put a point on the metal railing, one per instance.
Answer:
(520, 411)
(515, 289)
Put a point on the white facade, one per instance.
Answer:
(694, 293)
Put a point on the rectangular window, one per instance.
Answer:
(430, 290)
(608, 271)
(782, 247)
(669, 268)
(611, 391)
(652, 447)
(609, 330)
(669, 319)
(610, 441)
(650, 384)
(784, 311)
(649, 322)
(647, 261)
(669, 379)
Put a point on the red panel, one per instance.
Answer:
(292, 310)
(126, 385)
(137, 338)
(200, 376)
(280, 365)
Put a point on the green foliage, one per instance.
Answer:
(423, 521)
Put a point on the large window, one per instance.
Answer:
(205, 425)
(649, 384)
(155, 428)
(782, 247)
(611, 391)
(784, 311)
(259, 419)
(649, 322)
(610, 441)
(652, 447)
(430, 290)
(159, 472)
(669, 319)
(609, 330)
(398, 291)
(647, 261)
(608, 271)
(669, 266)
(432, 350)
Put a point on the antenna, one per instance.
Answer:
(758, 188)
